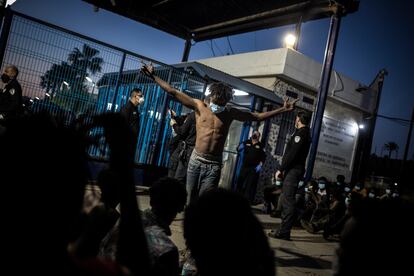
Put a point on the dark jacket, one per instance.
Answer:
(187, 130)
(175, 140)
(296, 150)
(131, 114)
(253, 154)
(11, 99)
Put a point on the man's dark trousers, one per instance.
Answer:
(290, 186)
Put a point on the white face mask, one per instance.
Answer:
(371, 195)
(216, 108)
(141, 100)
(388, 191)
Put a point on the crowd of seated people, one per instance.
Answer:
(323, 206)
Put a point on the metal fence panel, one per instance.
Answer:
(76, 77)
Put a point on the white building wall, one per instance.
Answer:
(291, 70)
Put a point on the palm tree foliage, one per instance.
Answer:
(67, 79)
(391, 147)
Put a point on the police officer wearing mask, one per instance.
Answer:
(292, 170)
(11, 94)
(130, 112)
(253, 159)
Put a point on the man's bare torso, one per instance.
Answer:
(212, 130)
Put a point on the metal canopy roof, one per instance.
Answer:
(208, 19)
(212, 74)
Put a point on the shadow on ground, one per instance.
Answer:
(301, 260)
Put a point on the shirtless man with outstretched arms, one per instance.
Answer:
(212, 124)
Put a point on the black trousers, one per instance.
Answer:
(247, 182)
(182, 164)
(271, 196)
(173, 162)
(290, 187)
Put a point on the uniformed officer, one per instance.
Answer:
(187, 132)
(292, 170)
(11, 94)
(131, 113)
(253, 159)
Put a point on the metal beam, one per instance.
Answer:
(187, 49)
(270, 20)
(118, 83)
(255, 17)
(407, 144)
(5, 31)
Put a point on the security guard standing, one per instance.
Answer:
(10, 95)
(130, 112)
(253, 159)
(292, 171)
(187, 132)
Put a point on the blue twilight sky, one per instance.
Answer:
(377, 36)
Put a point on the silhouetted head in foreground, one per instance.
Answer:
(376, 239)
(43, 179)
(224, 236)
(167, 198)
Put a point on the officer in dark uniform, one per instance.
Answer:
(175, 143)
(130, 112)
(187, 134)
(10, 95)
(253, 159)
(292, 171)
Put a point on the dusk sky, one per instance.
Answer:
(377, 36)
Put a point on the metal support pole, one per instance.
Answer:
(2, 10)
(243, 137)
(157, 156)
(369, 131)
(118, 81)
(323, 90)
(5, 30)
(297, 33)
(187, 49)
(407, 144)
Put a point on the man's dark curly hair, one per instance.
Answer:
(221, 93)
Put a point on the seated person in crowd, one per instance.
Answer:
(167, 199)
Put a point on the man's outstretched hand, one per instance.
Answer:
(289, 105)
(147, 69)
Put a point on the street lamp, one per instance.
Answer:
(290, 40)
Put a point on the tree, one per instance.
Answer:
(69, 76)
(390, 147)
(57, 78)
